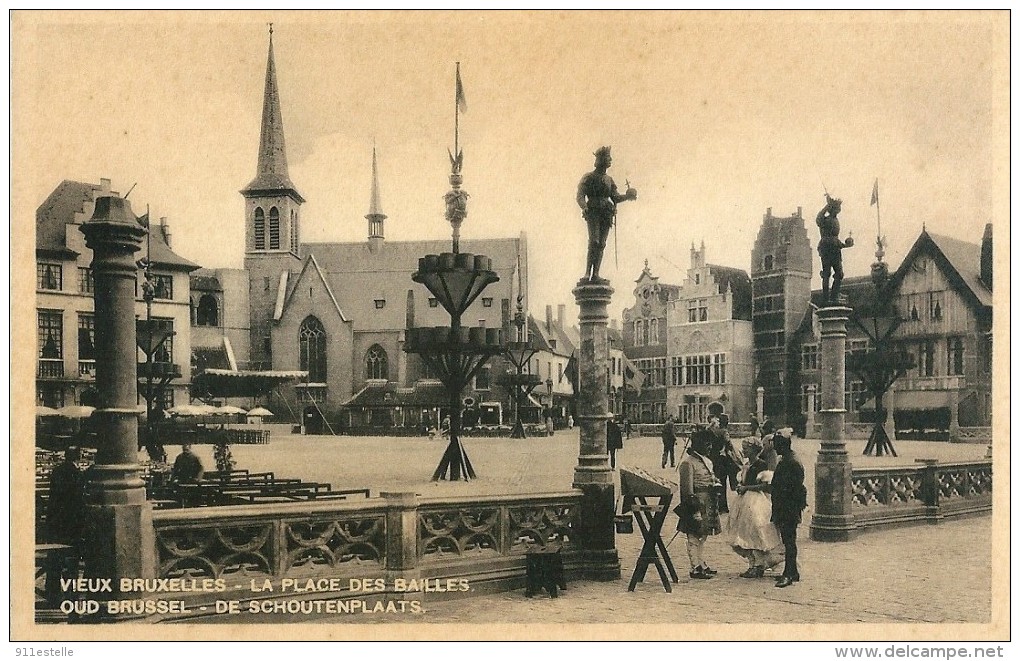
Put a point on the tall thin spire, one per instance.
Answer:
(375, 213)
(272, 174)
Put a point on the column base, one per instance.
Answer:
(121, 542)
(602, 565)
(833, 528)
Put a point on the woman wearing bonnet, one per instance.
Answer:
(754, 535)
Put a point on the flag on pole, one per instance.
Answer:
(874, 194)
(144, 220)
(461, 101)
(632, 376)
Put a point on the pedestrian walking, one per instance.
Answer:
(614, 441)
(669, 443)
(570, 421)
(698, 509)
(626, 428)
(188, 467)
(444, 427)
(789, 498)
(755, 537)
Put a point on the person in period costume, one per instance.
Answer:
(614, 441)
(754, 425)
(755, 537)
(669, 443)
(726, 461)
(598, 196)
(698, 510)
(187, 467)
(830, 248)
(789, 498)
(65, 507)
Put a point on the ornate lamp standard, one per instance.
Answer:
(521, 381)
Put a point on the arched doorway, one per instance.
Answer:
(312, 417)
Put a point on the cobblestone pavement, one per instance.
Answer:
(918, 574)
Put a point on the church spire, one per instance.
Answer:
(272, 175)
(375, 215)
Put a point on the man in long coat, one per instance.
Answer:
(789, 498)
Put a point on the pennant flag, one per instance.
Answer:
(632, 376)
(461, 101)
(571, 372)
(874, 194)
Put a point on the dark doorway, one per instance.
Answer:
(314, 424)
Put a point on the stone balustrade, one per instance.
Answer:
(927, 492)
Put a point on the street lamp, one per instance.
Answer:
(549, 413)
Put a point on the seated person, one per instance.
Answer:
(187, 467)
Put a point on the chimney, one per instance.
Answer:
(986, 256)
(561, 312)
(164, 228)
(548, 318)
(104, 184)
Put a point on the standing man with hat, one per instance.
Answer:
(789, 498)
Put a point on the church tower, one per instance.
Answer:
(272, 209)
(375, 215)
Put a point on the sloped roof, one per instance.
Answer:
(740, 282)
(312, 264)
(358, 277)
(542, 336)
(72, 197)
(959, 260)
(425, 393)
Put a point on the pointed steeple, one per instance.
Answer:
(272, 175)
(375, 215)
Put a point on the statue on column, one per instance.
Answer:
(598, 196)
(830, 248)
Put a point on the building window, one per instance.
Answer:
(856, 348)
(697, 278)
(311, 394)
(49, 276)
(164, 353)
(483, 378)
(208, 313)
(954, 356)
(51, 343)
(376, 364)
(698, 370)
(719, 368)
(935, 306)
(433, 302)
(380, 303)
(926, 358)
(312, 340)
(259, 222)
(86, 345)
(86, 284)
(854, 396)
(809, 357)
(910, 308)
(51, 395)
(697, 310)
(638, 326)
(163, 287)
(767, 263)
(693, 410)
(676, 372)
(653, 331)
(274, 229)
(486, 302)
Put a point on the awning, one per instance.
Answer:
(916, 400)
(241, 383)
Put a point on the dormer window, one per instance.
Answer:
(433, 302)
(767, 263)
(486, 302)
(552, 344)
(380, 303)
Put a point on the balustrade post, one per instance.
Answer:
(833, 519)
(596, 528)
(401, 535)
(930, 489)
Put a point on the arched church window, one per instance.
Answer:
(259, 221)
(312, 339)
(274, 229)
(208, 311)
(376, 366)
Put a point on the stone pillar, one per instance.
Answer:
(890, 410)
(760, 403)
(833, 519)
(401, 535)
(121, 540)
(811, 394)
(954, 412)
(592, 474)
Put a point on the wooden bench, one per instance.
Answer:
(545, 570)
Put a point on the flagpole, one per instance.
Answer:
(456, 114)
(878, 209)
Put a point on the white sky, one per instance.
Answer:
(713, 118)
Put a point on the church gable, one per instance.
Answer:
(310, 292)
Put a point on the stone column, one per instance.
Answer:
(592, 474)
(954, 411)
(811, 394)
(833, 519)
(121, 540)
(401, 534)
(760, 403)
(890, 410)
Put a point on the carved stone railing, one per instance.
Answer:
(974, 434)
(482, 540)
(928, 492)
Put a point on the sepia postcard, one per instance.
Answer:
(511, 325)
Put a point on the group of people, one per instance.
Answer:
(770, 497)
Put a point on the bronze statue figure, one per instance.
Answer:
(830, 248)
(598, 196)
